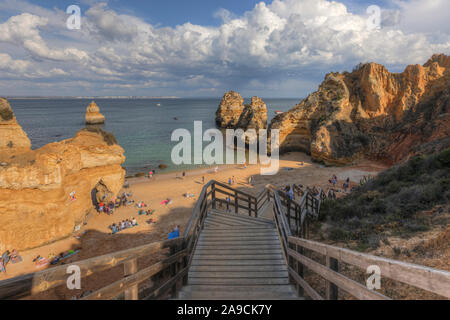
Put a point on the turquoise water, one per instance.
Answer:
(141, 127)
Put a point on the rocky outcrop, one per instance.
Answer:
(12, 138)
(230, 110)
(371, 112)
(254, 115)
(45, 193)
(93, 115)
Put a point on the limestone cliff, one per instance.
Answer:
(93, 115)
(12, 138)
(371, 112)
(230, 109)
(45, 193)
(254, 115)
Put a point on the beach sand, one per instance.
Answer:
(98, 240)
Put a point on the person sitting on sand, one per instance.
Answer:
(134, 222)
(6, 257)
(290, 193)
(2, 266)
(15, 257)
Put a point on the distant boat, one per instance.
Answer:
(175, 118)
(279, 112)
(158, 104)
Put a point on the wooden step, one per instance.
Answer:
(239, 268)
(252, 251)
(239, 281)
(236, 296)
(240, 274)
(238, 246)
(239, 288)
(224, 262)
(241, 216)
(254, 242)
(271, 256)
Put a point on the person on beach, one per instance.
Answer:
(184, 174)
(203, 180)
(250, 180)
(150, 174)
(290, 193)
(232, 180)
(228, 204)
(229, 181)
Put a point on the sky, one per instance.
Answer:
(203, 48)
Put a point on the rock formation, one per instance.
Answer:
(371, 112)
(45, 193)
(230, 110)
(254, 115)
(93, 115)
(12, 138)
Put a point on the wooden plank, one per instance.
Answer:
(236, 274)
(273, 256)
(429, 279)
(240, 239)
(238, 268)
(220, 295)
(114, 289)
(354, 288)
(225, 262)
(331, 288)
(306, 287)
(232, 235)
(262, 221)
(238, 251)
(33, 283)
(218, 218)
(239, 288)
(241, 281)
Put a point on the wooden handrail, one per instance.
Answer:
(33, 283)
(429, 279)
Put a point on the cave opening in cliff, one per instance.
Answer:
(100, 193)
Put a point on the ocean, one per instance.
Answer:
(140, 126)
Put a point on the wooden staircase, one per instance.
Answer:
(238, 257)
(235, 253)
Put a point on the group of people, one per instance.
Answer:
(108, 207)
(334, 181)
(124, 224)
(7, 257)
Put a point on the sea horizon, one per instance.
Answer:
(142, 127)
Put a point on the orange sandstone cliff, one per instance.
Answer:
(372, 112)
(46, 193)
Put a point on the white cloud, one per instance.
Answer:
(262, 46)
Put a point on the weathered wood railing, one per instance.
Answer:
(429, 279)
(34, 283)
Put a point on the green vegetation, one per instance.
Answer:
(107, 136)
(6, 114)
(388, 204)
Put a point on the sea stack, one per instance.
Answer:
(254, 115)
(93, 115)
(230, 110)
(12, 137)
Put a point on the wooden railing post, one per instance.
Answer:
(213, 195)
(173, 272)
(236, 204)
(130, 267)
(331, 288)
(249, 206)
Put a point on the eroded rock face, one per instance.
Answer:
(254, 115)
(230, 110)
(12, 138)
(369, 112)
(45, 193)
(93, 115)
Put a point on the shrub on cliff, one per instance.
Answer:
(391, 201)
(107, 136)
